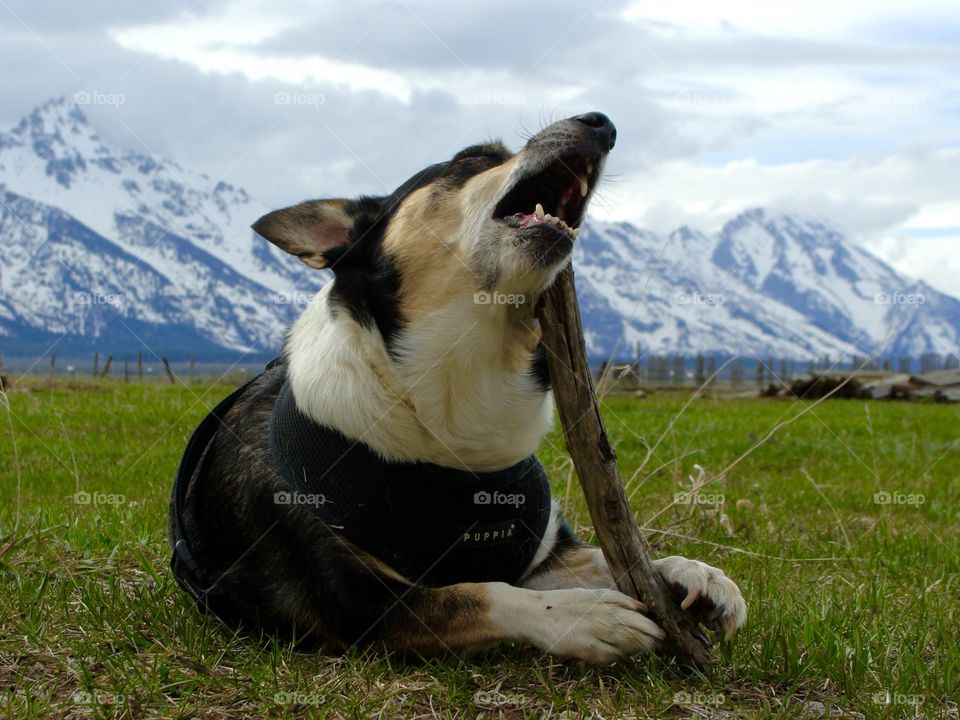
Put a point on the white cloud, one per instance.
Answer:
(936, 260)
(814, 18)
(224, 43)
(843, 110)
(876, 200)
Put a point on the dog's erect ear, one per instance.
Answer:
(308, 230)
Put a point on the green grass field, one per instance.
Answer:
(854, 602)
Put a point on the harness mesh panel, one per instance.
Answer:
(435, 525)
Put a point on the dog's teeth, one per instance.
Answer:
(589, 166)
(583, 186)
(575, 233)
(539, 211)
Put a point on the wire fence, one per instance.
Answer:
(682, 370)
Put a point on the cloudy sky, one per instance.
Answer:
(844, 111)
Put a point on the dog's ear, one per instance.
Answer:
(308, 230)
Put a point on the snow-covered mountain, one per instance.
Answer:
(112, 249)
(102, 248)
(764, 285)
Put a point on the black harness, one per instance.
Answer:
(189, 575)
(434, 525)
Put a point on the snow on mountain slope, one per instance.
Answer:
(669, 296)
(103, 248)
(837, 286)
(54, 156)
(59, 276)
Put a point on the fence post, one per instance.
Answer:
(678, 370)
(53, 363)
(166, 366)
(106, 366)
(930, 361)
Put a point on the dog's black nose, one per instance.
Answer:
(603, 126)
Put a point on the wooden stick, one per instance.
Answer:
(596, 463)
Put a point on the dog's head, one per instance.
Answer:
(486, 221)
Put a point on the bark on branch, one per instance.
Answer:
(596, 463)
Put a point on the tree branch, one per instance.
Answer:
(596, 463)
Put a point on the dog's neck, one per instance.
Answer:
(458, 390)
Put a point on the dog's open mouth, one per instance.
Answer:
(554, 198)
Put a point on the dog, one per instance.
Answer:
(377, 484)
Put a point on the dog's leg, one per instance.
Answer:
(713, 597)
(595, 625)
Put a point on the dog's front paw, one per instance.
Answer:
(598, 626)
(707, 592)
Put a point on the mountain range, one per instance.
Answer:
(103, 248)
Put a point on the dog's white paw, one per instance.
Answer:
(598, 626)
(709, 593)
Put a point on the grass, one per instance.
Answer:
(854, 603)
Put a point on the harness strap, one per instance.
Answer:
(189, 575)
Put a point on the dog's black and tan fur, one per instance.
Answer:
(399, 353)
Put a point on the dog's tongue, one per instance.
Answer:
(531, 219)
(538, 217)
(525, 220)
